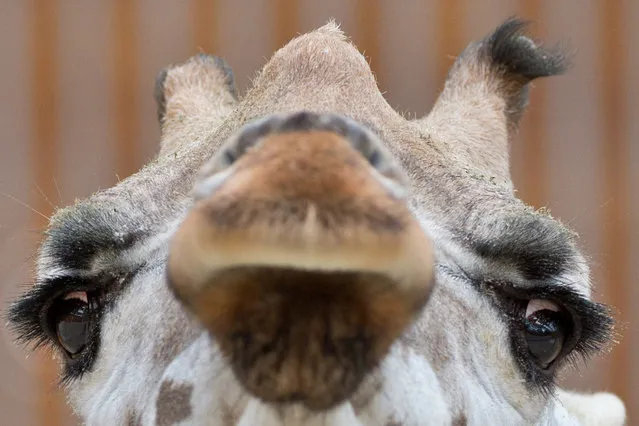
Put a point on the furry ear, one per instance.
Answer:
(486, 93)
(192, 97)
(598, 409)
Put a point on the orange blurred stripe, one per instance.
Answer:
(534, 186)
(204, 25)
(286, 21)
(44, 147)
(125, 62)
(612, 47)
(449, 35)
(369, 22)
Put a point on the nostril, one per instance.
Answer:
(229, 157)
(375, 159)
(301, 121)
(247, 139)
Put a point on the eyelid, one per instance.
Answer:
(535, 305)
(28, 315)
(593, 326)
(594, 320)
(80, 295)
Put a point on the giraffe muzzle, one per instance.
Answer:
(301, 257)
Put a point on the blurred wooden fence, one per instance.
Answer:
(77, 113)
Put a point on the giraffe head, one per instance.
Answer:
(305, 255)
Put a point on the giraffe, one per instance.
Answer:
(305, 255)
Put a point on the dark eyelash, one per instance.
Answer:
(27, 315)
(594, 319)
(29, 319)
(592, 322)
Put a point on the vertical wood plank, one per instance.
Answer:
(286, 21)
(632, 135)
(125, 63)
(449, 35)
(612, 48)
(407, 54)
(573, 140)
(86, 134)
(314, 14)
(44, 38)
(369, 22)
(246, 48)
(204, 25)
(20, 382)
(166, 35)
(534, 185)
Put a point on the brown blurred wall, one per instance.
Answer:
(77, 114)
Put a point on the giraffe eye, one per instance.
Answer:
(72, 318)
(546, 326)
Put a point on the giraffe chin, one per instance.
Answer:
(299, 336)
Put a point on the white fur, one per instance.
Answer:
(257, 413)
(599, 409)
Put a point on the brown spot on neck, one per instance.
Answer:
(134, 419)
(370, 388)
(173, 404)
(230, 417)
(460, 420)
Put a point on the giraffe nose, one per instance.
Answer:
(301, 257)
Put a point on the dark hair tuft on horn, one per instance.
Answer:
(510, 49)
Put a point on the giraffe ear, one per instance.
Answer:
(486, 93)
(598, 409)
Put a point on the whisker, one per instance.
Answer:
(55, 182)
(54, 207)
(40, 231)
(586, 212)
(608, 201)
(22, 203)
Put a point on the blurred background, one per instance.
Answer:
(77, 114)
